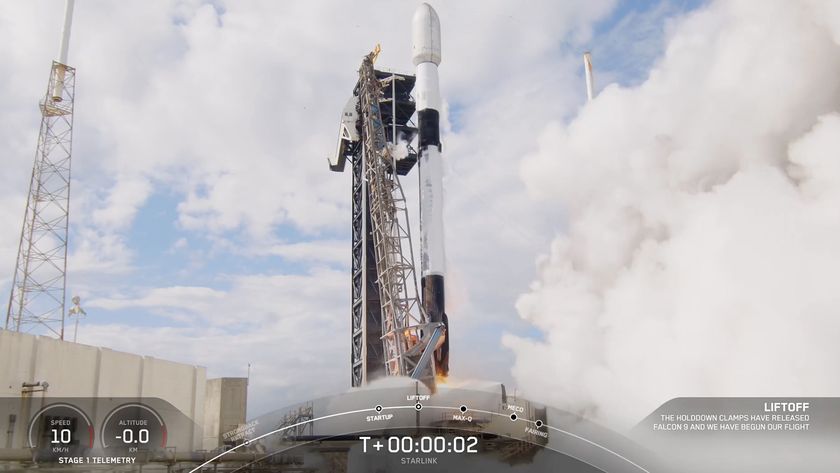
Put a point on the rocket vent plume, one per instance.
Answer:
(700, 255)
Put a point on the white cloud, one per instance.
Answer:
(701, 252)
(293, 329)
(233, 109)
(287, 366)
(318, 251)
(251, 299)
(234, 113)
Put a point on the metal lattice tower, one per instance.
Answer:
(366, 318)
(391, 334)
(367, 356)
(406, 331)
(36, 303)
(295, 423)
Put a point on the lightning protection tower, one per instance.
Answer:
(36, 303)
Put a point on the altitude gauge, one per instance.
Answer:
(131, 428)
(60, 430)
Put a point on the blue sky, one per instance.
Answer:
(155, 229)
(201, 221)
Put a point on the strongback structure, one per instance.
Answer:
(391, 333)
(36, 303)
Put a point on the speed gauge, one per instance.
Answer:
(60, 430)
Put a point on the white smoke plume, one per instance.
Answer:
(702, 252)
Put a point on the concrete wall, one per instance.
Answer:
(225, 405)
(75, 370)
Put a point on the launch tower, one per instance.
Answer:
(395, 331)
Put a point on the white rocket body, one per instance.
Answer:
(590, 80)
(65, 31)
(426, 56)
